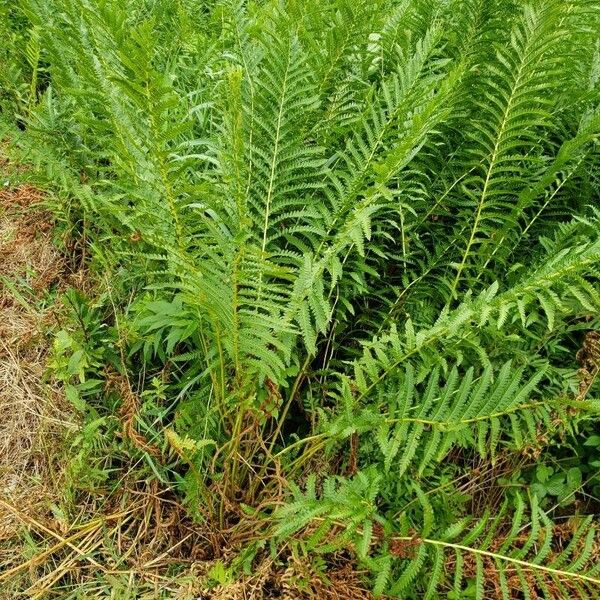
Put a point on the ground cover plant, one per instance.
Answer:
(341, 308)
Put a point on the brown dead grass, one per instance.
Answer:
(589, 359)
(33, 415)
(293, 582)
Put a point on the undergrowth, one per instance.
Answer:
(342, 310)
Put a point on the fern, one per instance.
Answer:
(488, 552)
(360, 240)
(483, 413)
(516, 107)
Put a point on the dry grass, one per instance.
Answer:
(33, 415)
(293, 582)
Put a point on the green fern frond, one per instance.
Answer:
(517, 105)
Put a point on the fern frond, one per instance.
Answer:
(517, 106)
(490, 551)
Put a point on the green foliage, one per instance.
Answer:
(483, 552)
(350, 244)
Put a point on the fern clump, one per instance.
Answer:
(363, 238)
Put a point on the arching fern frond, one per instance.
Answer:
(499, 554)
(517, 105)
(559, 284)
(424, 420)
(492, 556)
